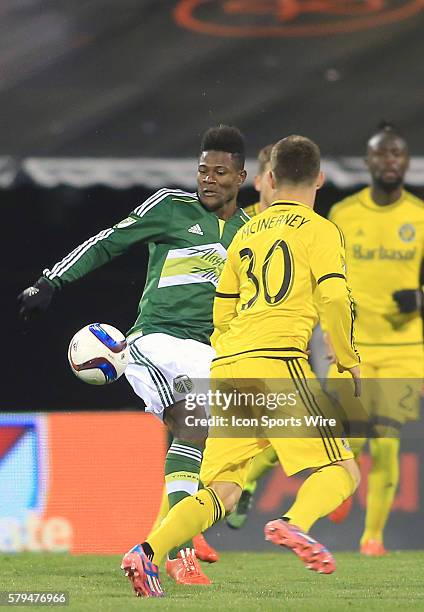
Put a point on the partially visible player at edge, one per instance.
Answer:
(262, 183)
(384, 229)
(268, 458)
(188, 235)
(248, 317)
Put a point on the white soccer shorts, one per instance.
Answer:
(162, 369)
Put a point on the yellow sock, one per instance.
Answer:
(261, 464)
(320, 494)
(163, 510)
(382, 482)
(192, 515)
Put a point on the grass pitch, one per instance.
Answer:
(242, 581)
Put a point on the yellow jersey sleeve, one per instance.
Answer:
(333, 300)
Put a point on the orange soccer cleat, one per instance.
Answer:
(203, 550)
(313, 554)
(186, 569)
(373, 548)
(341, 512)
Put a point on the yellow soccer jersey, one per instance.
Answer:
(264, 300)
(384, 249)
(252, 210)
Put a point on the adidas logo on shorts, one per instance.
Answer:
(195, 229)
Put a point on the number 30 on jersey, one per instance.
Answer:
(272, 270)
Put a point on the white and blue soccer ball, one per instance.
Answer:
(98, 354)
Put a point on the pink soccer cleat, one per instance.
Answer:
(313, 554)
(142, 573)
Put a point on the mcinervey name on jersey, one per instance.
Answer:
(195, 264)
(360, 252)
(291, 219)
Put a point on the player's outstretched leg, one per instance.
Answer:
(203, 550)
(193, 514)
(321, 492)
(313, 554)
(142, 573)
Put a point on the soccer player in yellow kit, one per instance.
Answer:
(264, 315)
(261, 183)
(383, 227)
(267, 459)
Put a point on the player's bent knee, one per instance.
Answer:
(228, 492)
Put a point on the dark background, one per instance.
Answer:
(128, 78)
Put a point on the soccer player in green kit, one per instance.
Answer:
(187, 235)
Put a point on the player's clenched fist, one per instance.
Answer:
(35, 299)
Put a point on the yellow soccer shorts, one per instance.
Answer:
(227, 459)
(392, 383)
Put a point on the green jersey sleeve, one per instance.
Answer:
(146, 223)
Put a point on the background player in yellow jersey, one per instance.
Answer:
(264, 315)
(261, 183)
(384, 230)
(268, 458)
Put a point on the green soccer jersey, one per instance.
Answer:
(187, 250)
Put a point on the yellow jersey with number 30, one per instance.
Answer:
(264, 302)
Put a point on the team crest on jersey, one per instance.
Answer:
(407, 232)
(183, 384)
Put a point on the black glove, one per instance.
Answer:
(409, 300)
(35, 299)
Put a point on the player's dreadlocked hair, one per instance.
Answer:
(225, 138)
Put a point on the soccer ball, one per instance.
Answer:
(98, 354)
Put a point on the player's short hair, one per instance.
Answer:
(386, 128)
(225, 138)
(264, 157)
(295, 160)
